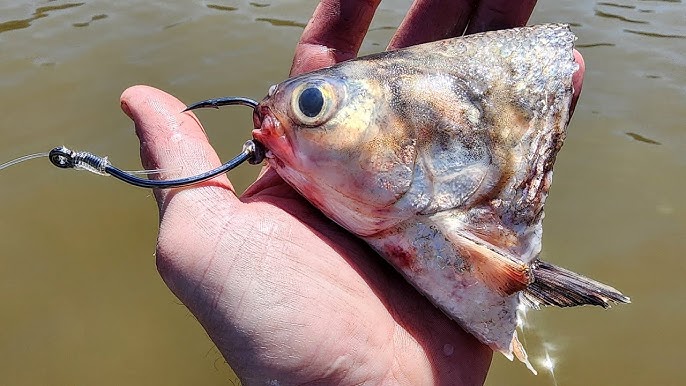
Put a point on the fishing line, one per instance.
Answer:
(22, 159)
(64, 158)
(153, 171)
(41, 155)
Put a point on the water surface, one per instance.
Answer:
(82, 302)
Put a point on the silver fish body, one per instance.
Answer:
(440, 156)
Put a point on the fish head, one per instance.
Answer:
(469, 125)
(324, 136)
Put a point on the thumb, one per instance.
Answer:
(191, 218)
(170, 140)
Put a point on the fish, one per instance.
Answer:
(440, 156)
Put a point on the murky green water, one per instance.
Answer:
(81, 300)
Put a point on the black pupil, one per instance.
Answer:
(311, 102)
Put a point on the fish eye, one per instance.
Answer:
(311, 102)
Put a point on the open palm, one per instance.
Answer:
(286, 294)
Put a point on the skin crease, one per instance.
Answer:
(283, 292)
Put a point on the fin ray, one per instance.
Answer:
(556, 286)
(501, 273)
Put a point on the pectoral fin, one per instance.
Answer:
(501, 273)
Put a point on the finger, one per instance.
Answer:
(577, 80)
(431, 20)
(333, 34)
(170, 140)
(500, 14)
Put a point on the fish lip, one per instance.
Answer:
(262, 116)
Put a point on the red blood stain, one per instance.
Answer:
(399, 256)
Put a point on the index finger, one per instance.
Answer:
(431, 20)
(333, 34)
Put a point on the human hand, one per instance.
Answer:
(283, 292)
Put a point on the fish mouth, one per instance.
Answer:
(265, 126)
(268, 130)
(258, 115)
(258, 118)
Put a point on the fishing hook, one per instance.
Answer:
(224, 101)
(64, 158)
(253, 152)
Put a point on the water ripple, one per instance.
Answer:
(640, 138)
(93, 18)
(618, 17)
(655, 34)
(589, 45)
(617, 5)
(383, 27)
(40, 12)
(282, 23)
(221, 7)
